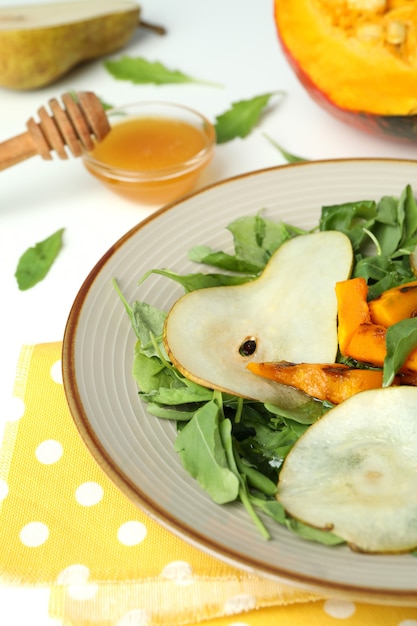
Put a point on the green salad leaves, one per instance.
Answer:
(234, 447)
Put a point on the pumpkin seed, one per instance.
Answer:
(370, 32)
(374, 6)
(396, 32)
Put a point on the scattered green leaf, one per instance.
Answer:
(106, 106)
(290, 158)
(142, 72)
(35, 263)
(242, 117)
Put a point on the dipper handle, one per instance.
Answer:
(71, 126)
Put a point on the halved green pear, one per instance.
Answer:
(288, 313)
(354, 472)
(39, 43)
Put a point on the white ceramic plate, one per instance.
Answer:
(136, 449)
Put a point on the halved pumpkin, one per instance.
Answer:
(356, 58)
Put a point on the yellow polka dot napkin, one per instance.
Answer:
(63, 524)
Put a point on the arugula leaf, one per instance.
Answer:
(383, 234)
(150, 372)
(255, 239)
(224, 261)
(383, 273)
(35, 263)
(191, 282)
(409, 205)
(290, 158)
(179, 414)
(401, 339)
(142, 72)
(241, 118)
(388, 225)
(209, 466)
(243, 493)
(350, 218)
(313, 534)
(183, 394)
(106, 105)
(255, 478)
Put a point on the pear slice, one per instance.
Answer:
(354, 472)
(288, 313)
(39, 43)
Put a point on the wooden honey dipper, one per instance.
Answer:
(72, 126)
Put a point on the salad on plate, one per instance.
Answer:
(290, 371)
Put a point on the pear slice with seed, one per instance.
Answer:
(287, 313)
(354, 472)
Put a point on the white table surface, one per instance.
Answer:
(231, 42)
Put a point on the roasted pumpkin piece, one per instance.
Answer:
(368, 344)
(394, 305)
(332, 382)
(360, 338)
(352, 308)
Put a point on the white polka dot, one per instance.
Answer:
(240, 603)
(34, 534)
(49, 451)
(14, 409)
(408, 622)
(4, 490)
(75, 577)
(137, 617)
(180, 572)
(56, 372)
(131, 533)
(89, 494)
(81, 593)
(340, 609)
(73, 574)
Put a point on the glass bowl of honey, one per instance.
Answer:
(155, 151)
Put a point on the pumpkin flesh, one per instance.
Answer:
(358, 336)
(331, 382)
(354, 56)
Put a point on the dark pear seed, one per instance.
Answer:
(248, 347)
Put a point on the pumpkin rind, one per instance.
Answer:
(372, 85)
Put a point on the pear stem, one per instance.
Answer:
(159, 30)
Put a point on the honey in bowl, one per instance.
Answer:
(154, 153)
